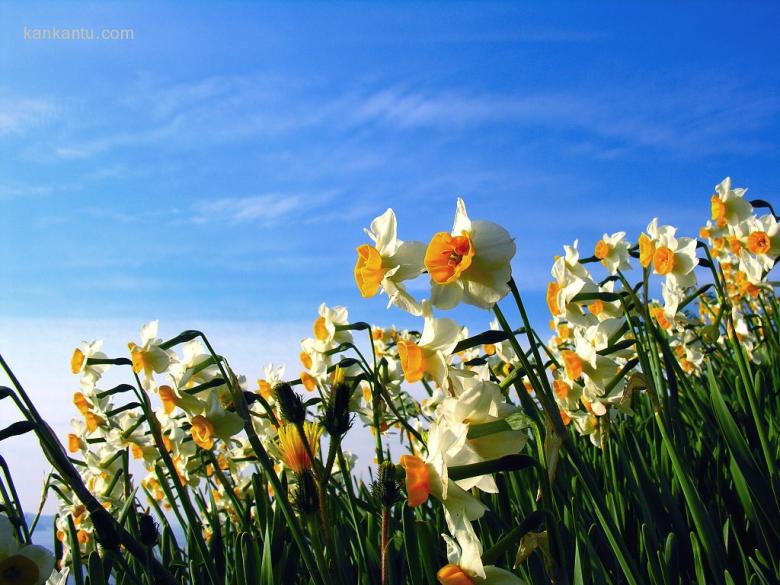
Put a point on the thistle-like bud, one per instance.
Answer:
(148, 529)
(305, 495)
(290, 403)
(336, 418)
(386, 489)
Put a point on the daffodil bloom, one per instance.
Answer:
(90, 373)
(293, 451)
(760, 238)
(325, 334)
(674, 258)
(571, 279)
(217, 422)
(470, 264)
(479, 402)
(431, 354)
(728, 205)
(388, 263)
(22, 564)
(192, 369)
(465, 566)
(149, 356)
(172, 398)
(612, 251)
(429, 477)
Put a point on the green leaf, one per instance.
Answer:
(507, 463)
(17, 428)
(512, 538)
(491, 336)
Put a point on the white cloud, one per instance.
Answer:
(18, 114)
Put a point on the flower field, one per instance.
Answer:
(637, 442)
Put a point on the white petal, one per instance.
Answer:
(462, 222)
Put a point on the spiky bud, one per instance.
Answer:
(305, 495)
(148, 529)
(336, 418)
(290, 403)
(386, 489)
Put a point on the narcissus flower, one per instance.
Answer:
(431, 354)
(728, 205)
(326, 335)
(674, 258)
(388, 263)
(470, 264)
(149, 356)
(612, 251)
(90, 373)
(22, 564)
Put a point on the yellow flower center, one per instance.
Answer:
(418, 484)
(74, 444)
(18, 570)
(453, 575)
(759, 243)
(660, 316)
(552, 298)
(306, 360)
(309, 382)
(81, 403)
(77, 361)
(447, 257)
(573, 364)
(321, 329)
(735, 245)
(168, 397)
(294, 453)
(202, 431)
(369, 271)
(412, 360)
(596, 307)
(646, 250)
(602, 250)
(264, 389)
(663, 260)
(561, 389)
(718, 211)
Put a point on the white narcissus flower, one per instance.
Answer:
(759, 239)
(465, 566)
(28, 564)
(429, 477)
(90, 373)
(728, 205)
(470, 264)
(612, 251)
(674, 258)
(388, 263)
(325, 334)
(149, 356)
(571, 279)
(432, 353)
(479, 402)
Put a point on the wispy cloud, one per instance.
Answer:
(18, 114)
(266, 208)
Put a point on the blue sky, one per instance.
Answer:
(220, 166)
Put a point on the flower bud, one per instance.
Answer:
(336, 418)
(290, 403)
(386, 488)
(148, 529)
(305, 495)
